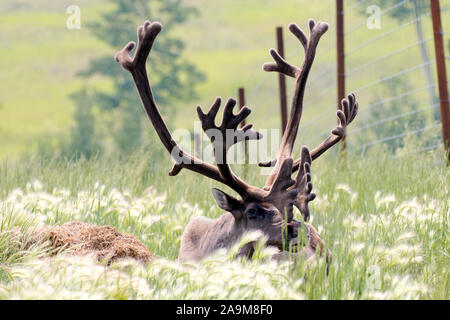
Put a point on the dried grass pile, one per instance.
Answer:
(105, 242)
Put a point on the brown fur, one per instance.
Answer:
(203, 236)
(268, 209)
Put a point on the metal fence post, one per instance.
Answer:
(340, 58)
(241, 95)
(441, 74)
(282, 80)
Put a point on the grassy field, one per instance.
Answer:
(384, 219)
(228, 40)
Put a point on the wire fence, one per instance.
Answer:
(402, 103)
(391, 69)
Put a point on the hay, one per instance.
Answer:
(105, 242)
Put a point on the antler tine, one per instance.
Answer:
(303, 184)
(224, 136)
(296, 31)
(295, 192)
(345, 116)
(281, 192)
(301, 75)
(147, 34)
(280, 65)
(348, 112)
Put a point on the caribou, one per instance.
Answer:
(269, 209)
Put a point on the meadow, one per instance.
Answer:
(227, 40)
(384, 216)
(387, 228)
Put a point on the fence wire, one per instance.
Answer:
(389, 55)
(361, 24)
(385, 34)
(322, 83)
(389, 119)
(401, 135)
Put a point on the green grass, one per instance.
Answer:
(228, 40)
(39, 66)
(385, 220)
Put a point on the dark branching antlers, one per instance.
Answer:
(222, 173)
(300, 74)
(228, 128)
(146, 36)
(304, 184)
(282, 192)
(280, 189)
(348, 112)
(281, 65)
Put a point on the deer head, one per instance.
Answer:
(269, 209)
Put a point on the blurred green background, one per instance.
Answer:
(55, 83)
(75, 144)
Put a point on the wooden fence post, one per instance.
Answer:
(340, 58)
(282, 80)
(441, 74)
(241, 95)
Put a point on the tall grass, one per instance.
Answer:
(384, 218)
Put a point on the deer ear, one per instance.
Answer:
(227, 202)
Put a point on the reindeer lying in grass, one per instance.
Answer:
(268, 209)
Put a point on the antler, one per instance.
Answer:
(283, 192)
(303, 184)
(136, 66)
(224, 136)
(348, 112)
(301, 75)
(280, 189)
(286, 192)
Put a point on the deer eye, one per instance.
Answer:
(253, 213)
(258, 213)
(290, 230)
